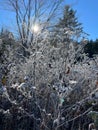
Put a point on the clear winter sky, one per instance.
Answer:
(87, 13)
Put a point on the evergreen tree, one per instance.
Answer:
(69, 23)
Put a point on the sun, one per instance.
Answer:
(35, 28)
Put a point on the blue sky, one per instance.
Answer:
(87, 13)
